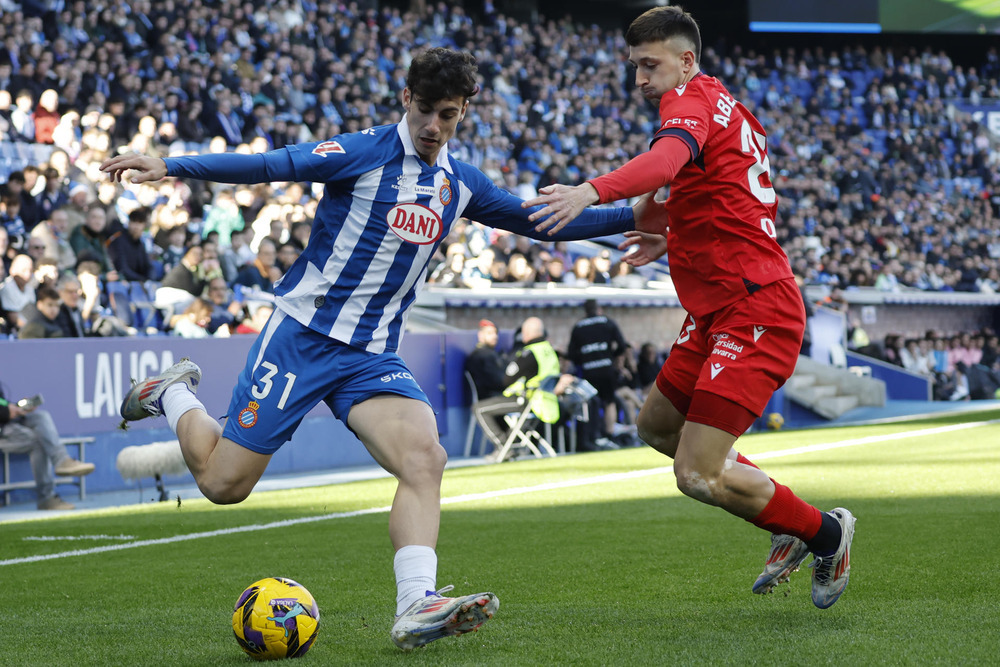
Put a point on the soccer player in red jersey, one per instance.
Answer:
(746, 319)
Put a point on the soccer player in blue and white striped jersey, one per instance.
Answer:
(392, 193)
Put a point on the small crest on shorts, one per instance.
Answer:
(248, 416)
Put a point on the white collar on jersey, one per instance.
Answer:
(404, 135)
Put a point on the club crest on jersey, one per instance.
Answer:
(445, 193)
(248, 416)
(415, 223)
(328, 147)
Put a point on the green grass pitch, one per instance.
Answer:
(597, 560)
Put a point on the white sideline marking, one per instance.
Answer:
(56, 538)
(600, 479)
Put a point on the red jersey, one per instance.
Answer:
(721, 241)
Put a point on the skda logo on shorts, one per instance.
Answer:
(248, 416)
(397, 376)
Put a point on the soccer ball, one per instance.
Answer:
(775, 421)
(275, 618)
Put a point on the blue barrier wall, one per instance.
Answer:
(900, 384)
(83, 382)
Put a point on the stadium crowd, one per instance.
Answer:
(883, 181)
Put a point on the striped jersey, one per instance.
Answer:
(383, 213)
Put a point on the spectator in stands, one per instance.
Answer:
(262, 272)
(176, 247)
(54, 195)
(51, 235)
(260, 313)
(78, 206)
(580, 276)
(88, 240)
(22, 117)
(42, 322)
(7, 254)
(10, 220)
(224, 217)
(183, 283)
(227, 311)
(485, 364)
(46, 116)
(913, 359)
(32, 431)
(233, 258)
(127, 250)
(287, 254)
(16, 187)
(74, 320)
(194, 321)
(476, 271)
(18, 290)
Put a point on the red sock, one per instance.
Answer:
(787, 514)
(745, 461)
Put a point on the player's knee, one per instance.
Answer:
(222, 493)
(654, 435)
(696, 484)
(423, 461)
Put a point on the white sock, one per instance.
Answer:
(416, 573)
(178, 400)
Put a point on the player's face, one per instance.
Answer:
(662, 66)
(432, 125)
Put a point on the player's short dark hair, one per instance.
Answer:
(590, 307)
(440, 73)
(660, 23)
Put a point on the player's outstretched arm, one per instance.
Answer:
(649, 247)
(562, 204)
(148, 168)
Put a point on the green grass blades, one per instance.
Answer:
(596, 558)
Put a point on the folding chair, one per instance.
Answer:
(523, 426)
(470, 432)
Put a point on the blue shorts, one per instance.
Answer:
(291, 368)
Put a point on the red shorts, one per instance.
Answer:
(742, 353)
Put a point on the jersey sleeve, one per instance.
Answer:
(685, 115)
(498, 208)
(644, 173)
(342, 157)
(267, 167)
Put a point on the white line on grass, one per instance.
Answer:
(600, 479)
(70, 538)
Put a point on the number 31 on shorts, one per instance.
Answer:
(262, 388)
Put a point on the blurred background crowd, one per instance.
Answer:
(884, 181)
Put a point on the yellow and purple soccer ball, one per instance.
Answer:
(775, 421)
(276, 618)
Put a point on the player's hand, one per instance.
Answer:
(560, 205)
(649, 247)
(149, 168)
(650, 214)
(16, 411)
